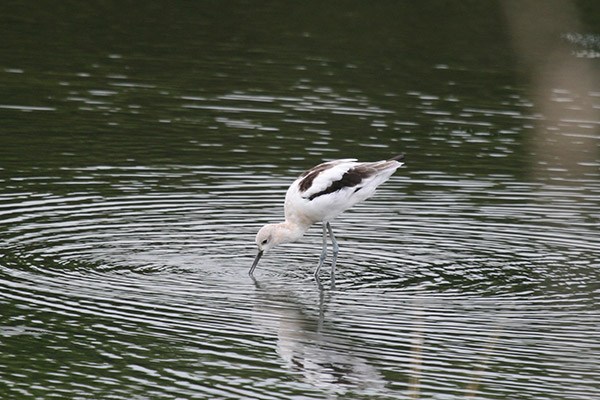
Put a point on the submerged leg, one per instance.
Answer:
(323, 253)
(336, 250)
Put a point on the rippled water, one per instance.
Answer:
(131, 191)
(438, 291)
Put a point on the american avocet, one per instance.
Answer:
(321, 194)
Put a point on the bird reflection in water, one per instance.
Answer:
(311, 347)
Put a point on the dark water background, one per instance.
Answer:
(142, 145)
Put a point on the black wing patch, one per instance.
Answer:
(311, 174)
(351, 178)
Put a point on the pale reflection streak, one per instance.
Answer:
(417, 355)
(566, 134)
(476, 376)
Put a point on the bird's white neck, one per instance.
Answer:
(290, 232)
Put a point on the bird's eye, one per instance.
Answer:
(264, 242)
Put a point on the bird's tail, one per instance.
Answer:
(399, 157)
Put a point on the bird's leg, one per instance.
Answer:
(323, 253)
(336, 250)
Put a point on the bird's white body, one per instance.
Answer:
(326, 207)
(321, 194)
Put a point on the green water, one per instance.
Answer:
(143, 145)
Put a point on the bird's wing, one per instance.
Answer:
(333, 178)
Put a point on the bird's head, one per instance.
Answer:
(267, 237)
(271, 235)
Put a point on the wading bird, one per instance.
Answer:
(321, 194)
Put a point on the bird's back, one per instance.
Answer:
(325, 191)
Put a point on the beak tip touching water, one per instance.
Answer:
(255, 263)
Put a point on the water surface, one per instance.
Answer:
(139, 157)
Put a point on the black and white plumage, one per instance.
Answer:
(321, 194)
